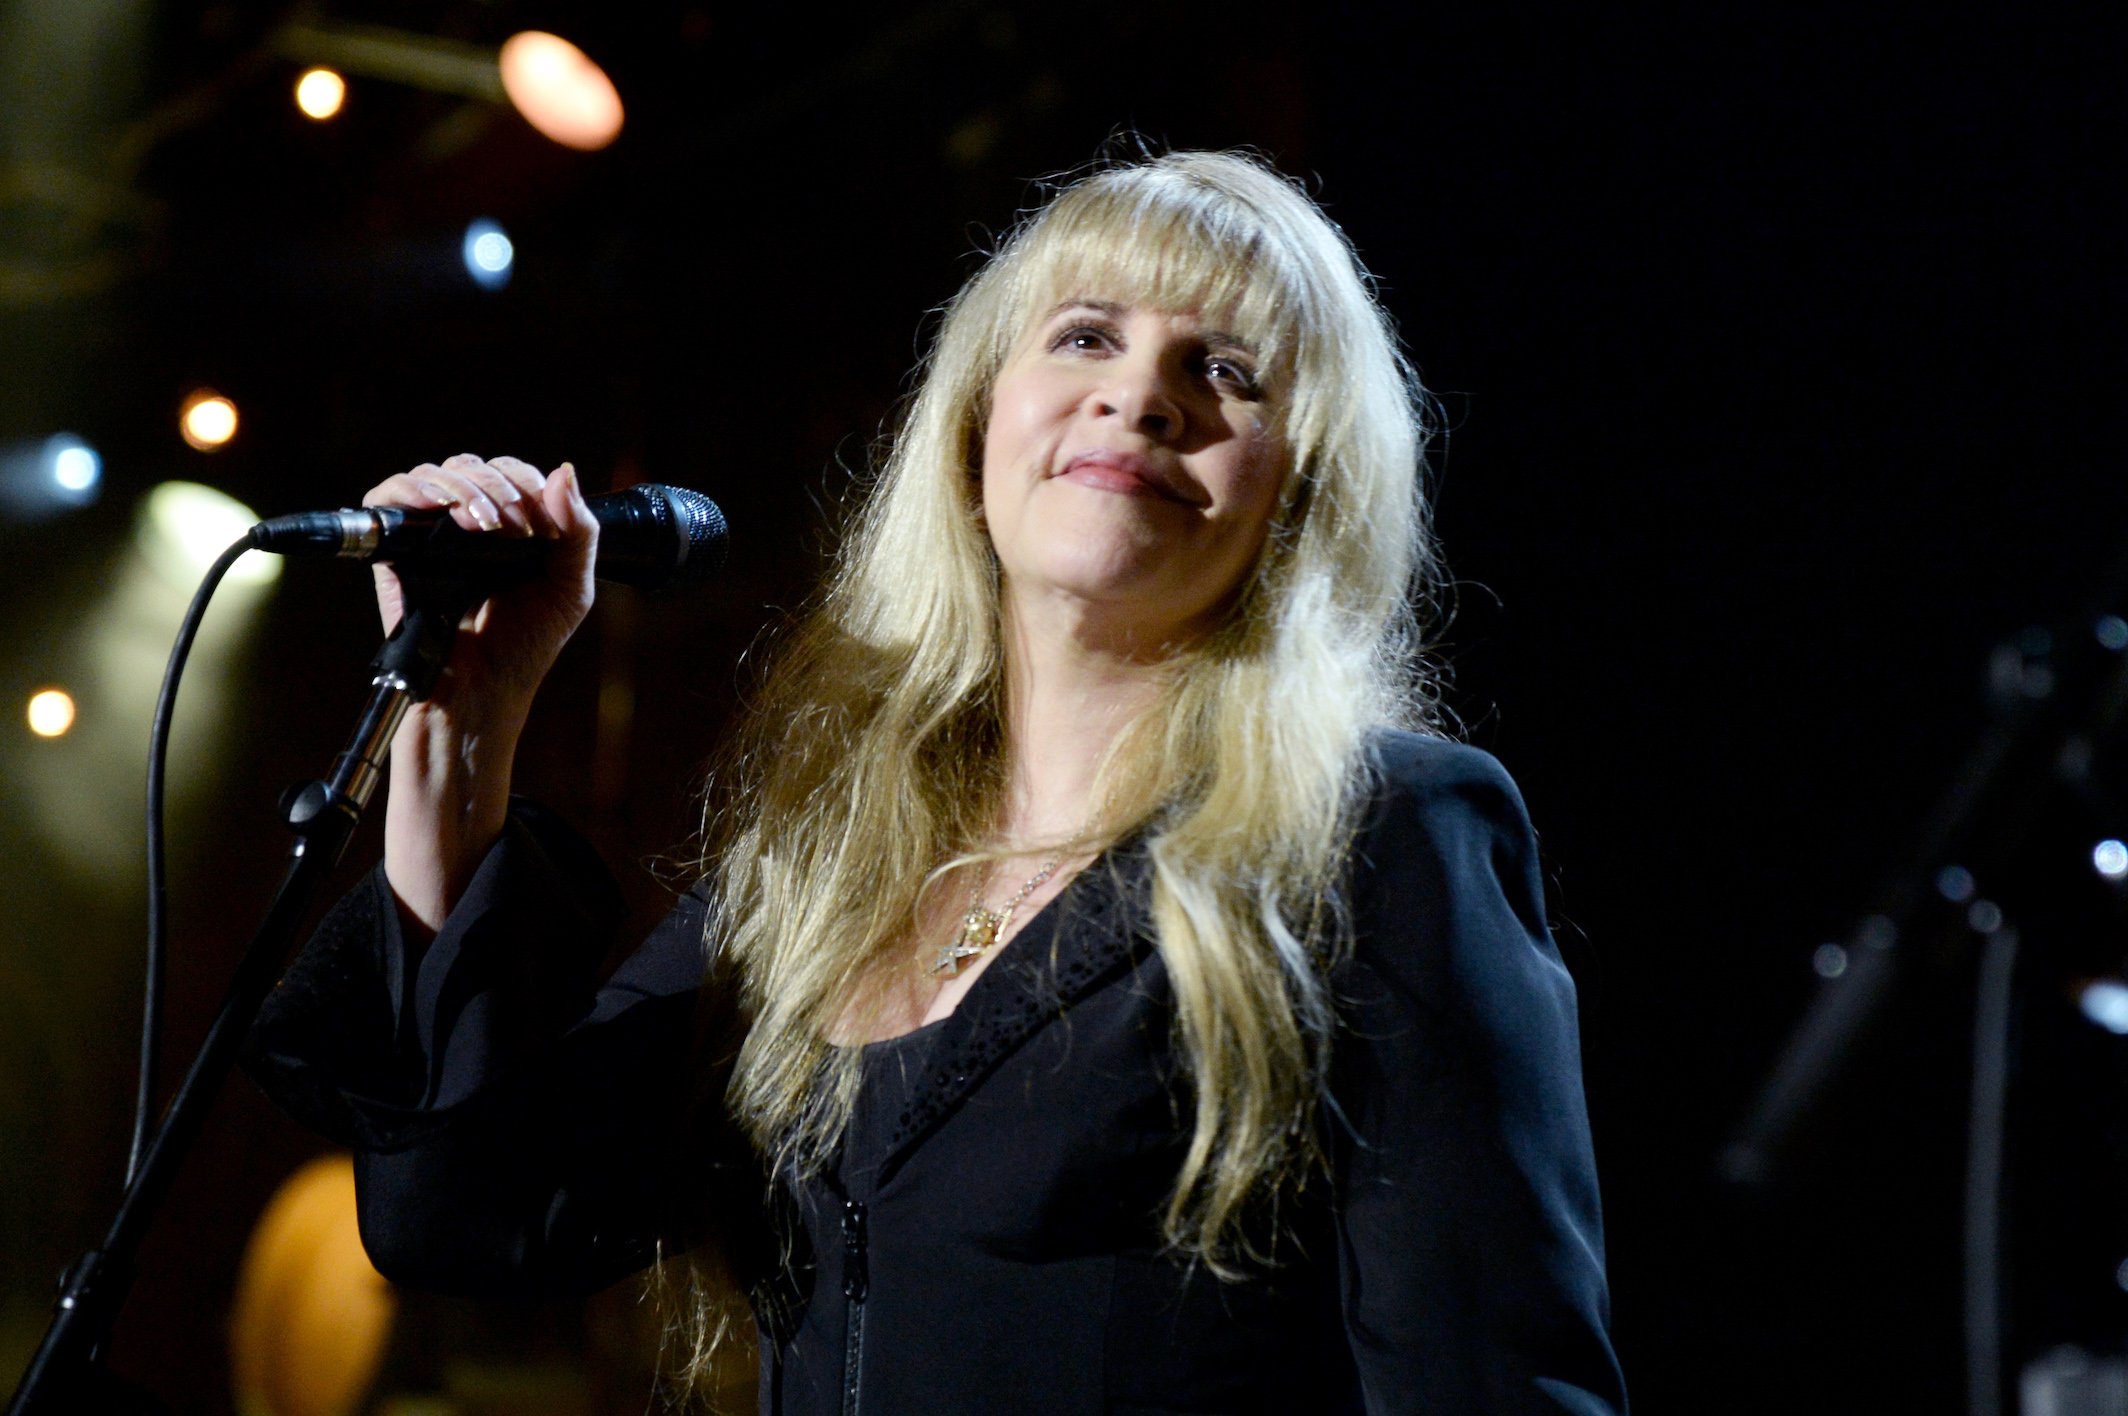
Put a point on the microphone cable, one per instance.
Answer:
(158, 885)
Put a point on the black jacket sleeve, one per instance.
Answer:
(519, 1127)
(1470, 1233)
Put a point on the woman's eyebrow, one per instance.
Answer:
(1102, 307)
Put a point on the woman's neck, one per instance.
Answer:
(1071, 691)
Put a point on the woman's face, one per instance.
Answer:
(1130, 469)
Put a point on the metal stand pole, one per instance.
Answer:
(66, 1375)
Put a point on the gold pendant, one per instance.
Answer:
(979, 930)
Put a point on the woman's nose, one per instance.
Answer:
(1140, 393)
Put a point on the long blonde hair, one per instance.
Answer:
(875, 749)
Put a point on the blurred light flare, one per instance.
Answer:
(320, 93)
(488, 253)
(312, 1317)
(2110, 859)
(42, 477)
(560, 91)
(184, 526)
(2105, 1002)
(76, 468)
(207, 420)
(51, 712)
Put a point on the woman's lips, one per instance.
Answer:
(1126, 473)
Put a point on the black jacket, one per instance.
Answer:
(989, 1240)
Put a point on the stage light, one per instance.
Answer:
(184, 526)
(2110, 859)
(51, 712)
(488, 254)
(1955, 883)
(207, 420)
(320, 93)
(43, 477)
(2112, 632)
(76, 469)
(1829, 961)
(2105, 1002)
(560, 91)
(311, 1318)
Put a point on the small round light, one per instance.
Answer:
(51, 712)
(74, 466)
(1983, 916)
(2105, 1002)
(560, 91)
(1955, 883)
(2112, 632)
(207, 420)
(488, 254)
(320, 93)
(2110, 859)
(1829, 961)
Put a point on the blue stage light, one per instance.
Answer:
(488, 255)
(76, 470)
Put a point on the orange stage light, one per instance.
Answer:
(560, 91)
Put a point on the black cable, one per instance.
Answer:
(158, 890)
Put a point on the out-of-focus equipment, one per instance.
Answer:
(2020, 874)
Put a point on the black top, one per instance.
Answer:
(989, 1239)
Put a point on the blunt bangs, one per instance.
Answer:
(1165, 239)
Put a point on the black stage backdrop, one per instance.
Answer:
(1780, 349)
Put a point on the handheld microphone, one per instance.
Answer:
(650, 536)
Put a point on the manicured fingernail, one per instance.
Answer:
(485, 515)
(439, 495)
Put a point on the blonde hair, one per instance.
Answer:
(875, 751)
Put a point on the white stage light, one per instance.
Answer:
(184, 526)
(2105, 1002)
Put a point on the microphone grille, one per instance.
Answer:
(700, 531)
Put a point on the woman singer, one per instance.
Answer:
(1105, 993)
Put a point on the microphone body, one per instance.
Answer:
(650, 536)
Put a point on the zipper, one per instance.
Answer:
(856, 1282)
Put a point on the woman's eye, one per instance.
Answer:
(1086, 339)
(1233, 373)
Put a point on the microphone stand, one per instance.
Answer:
(66, 1375)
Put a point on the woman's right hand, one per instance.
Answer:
(450, 763)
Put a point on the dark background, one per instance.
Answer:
(1780, 348)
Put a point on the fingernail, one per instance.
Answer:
(485, 515)
(438, 494)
